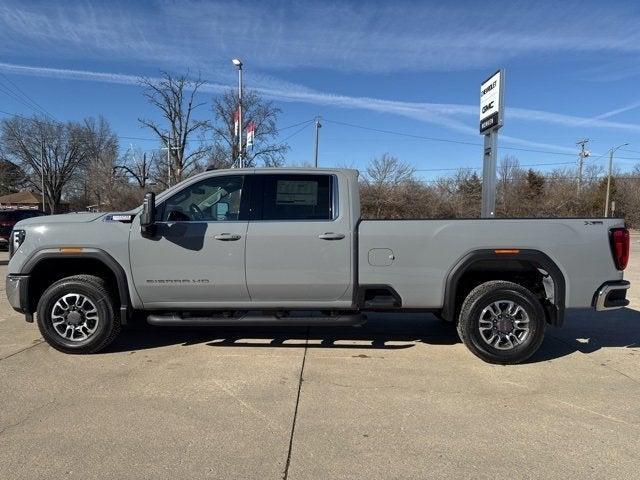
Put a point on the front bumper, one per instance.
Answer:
(16, 288)
(611, 295)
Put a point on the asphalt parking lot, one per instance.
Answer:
(400, 397)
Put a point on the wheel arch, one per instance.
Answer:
(505, 262)
(85, 261)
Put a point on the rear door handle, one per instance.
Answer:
(227, 237)
(331, 236)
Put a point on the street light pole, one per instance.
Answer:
(238, 63)
(606, 202)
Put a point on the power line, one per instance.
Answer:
(403, 134)
(298, 131)
(13, 96)
(480, 167)
(294, 125)
(27, 97)
(549, 178)
(459, 142)
(148, 139)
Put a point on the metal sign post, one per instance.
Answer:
(491, 119)
(489, 175)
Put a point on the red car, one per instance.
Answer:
(8, 218)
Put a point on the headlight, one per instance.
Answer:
(15, 240)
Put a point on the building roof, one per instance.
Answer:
(24, 198)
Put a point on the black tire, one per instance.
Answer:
(95, 290)
(482, 297)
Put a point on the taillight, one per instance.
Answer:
(620, 247)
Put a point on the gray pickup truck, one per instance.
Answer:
(288, 247)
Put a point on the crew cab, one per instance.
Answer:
(288, 247)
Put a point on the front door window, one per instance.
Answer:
(215, 199)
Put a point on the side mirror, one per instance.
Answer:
(148, 215)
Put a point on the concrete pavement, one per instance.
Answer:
(397, 398)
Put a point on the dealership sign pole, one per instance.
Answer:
(491, 119)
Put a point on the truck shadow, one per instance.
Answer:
(584, 331)
(382, 331)
(587, 331)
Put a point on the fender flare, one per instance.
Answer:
(538, 258)
(93, 253)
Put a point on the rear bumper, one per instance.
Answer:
(16, 288)
(611, 295)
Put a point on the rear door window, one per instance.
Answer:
(297, 197)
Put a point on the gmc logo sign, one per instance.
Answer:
(488, 106)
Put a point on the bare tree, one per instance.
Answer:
(509, 187)
(384, 183)
(39, 145)
(100, 188)
(263, 115)
(135, 166)
(175, 97)
(387, 170)
(387, 192)
(12, 177)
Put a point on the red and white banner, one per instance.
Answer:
(236, 123)
(251, 133)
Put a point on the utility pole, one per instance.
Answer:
(318, 127)
(606, 201)
(582, 154)
(168, 148)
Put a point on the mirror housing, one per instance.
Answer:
(148, 214)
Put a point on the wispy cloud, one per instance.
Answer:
(357, 36)
(618, 111)
(69, 74)
(459, 118)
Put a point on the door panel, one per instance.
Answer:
(184, 263)
(298, 247)
(197, 255)
(287, 261)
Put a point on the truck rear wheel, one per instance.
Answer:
(76, 315)
(502, 322)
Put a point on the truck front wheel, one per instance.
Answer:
(501, 322)
(76, 315)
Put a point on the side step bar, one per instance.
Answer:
(254, 319)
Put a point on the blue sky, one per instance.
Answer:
(573, 70)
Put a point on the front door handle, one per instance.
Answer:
(227, 237)
(331, 236)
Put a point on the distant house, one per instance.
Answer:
(26, 200)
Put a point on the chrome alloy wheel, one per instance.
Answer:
(74, 317)
(504, 324)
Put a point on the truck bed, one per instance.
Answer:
(415, 257)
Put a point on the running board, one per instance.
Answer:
(251, 319)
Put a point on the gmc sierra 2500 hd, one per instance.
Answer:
(288, 247)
